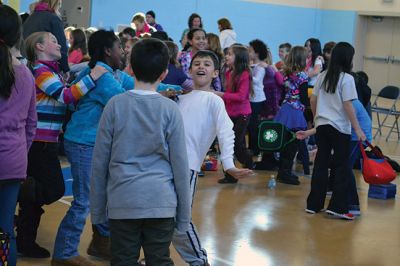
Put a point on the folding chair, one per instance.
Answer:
(389, 95)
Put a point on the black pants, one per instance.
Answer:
(243, 155)
(253, 126)
(128, 236)
(329, 138)
(48, 185)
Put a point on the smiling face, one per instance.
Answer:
(203, 71)
(51, 48)
(199, 41)
(196, 23)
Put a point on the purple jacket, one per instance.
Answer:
(17, 125)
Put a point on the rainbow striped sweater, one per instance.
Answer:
(52, 98)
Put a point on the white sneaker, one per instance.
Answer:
(345, 216)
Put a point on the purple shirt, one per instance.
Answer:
(175, 76)
(17, 125)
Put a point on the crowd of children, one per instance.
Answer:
(227, 89)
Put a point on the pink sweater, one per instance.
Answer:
(238, 103)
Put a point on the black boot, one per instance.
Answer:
(27, 226)
(99, 246)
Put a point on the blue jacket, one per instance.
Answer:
(82, 127)
(363, 119)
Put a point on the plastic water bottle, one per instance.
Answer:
(272, 182)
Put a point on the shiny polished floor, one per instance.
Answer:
(247, 224)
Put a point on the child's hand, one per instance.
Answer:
(219, 93)
(360, 135)
(304, 134)
(97, 72)
(239, 173)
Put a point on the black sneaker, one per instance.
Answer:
(33, 251)
(228, 179)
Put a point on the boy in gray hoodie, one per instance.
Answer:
(139, 171)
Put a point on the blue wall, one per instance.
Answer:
(273, 24)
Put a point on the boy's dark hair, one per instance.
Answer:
(151, 13)
(129, 31)
(98, 42)
(161, 35)
(285, 45)
(260, 48)
(149, 59)
(206, 53)
(363, 76)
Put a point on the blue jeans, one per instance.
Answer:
(8, 202)
(71, 227)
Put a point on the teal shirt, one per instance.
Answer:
(82, 127)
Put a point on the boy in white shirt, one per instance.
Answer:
(204, 118)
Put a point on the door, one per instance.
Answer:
(378, 51)
(76, 13)
(394, 66)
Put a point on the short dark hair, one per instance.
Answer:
(260, 48)
(151, 13)
(149, 59)
(131, 32)
(286, 46)
(161, 35)
(98, 42)
(206, 53)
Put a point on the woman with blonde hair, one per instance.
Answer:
(46, 17)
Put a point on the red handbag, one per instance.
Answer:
(376, 171)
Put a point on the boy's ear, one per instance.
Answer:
(215, 73)
(163, 75)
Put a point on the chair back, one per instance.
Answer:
(389, 92)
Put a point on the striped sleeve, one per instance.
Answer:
(51, 85)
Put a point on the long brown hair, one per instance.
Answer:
(80, 41)
(240, 65)
(214, 45)
(10, 34)
(295, 61)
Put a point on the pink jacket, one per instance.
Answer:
(238, 103)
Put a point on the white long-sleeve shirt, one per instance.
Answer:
(204, 118)
(227, 38)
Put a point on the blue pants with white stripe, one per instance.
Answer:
(187, 244)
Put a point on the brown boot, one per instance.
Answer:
(74, 261)
(99, 246)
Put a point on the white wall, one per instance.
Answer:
(355, 5)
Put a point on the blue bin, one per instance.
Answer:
(387, 191)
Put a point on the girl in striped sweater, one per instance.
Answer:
(45, 184)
